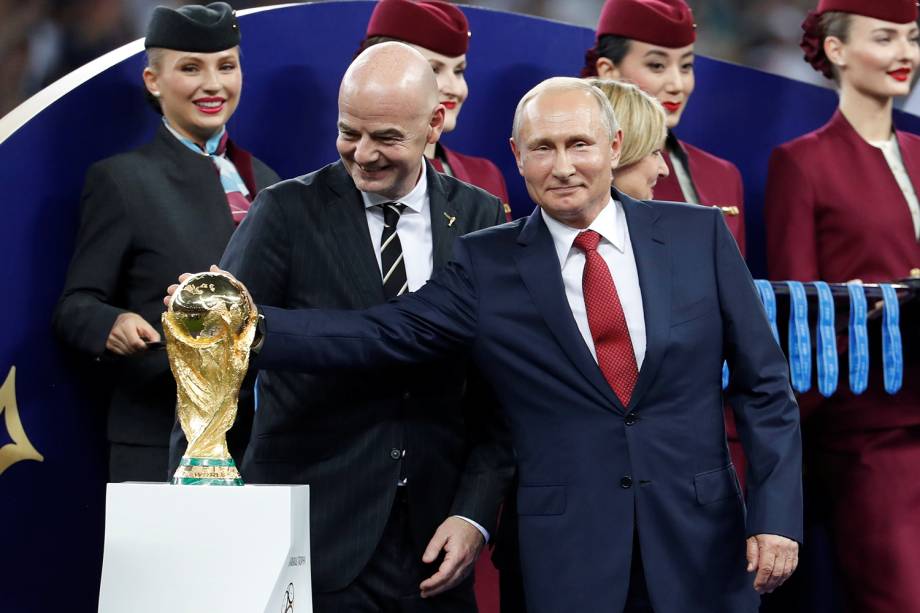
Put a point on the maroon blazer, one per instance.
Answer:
(476, 171)
(717, 183)
(834, 212)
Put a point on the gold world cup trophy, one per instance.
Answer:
(209, 327)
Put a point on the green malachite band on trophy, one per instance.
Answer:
(207, 462)
(193, 481)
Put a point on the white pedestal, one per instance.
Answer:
(196, 549)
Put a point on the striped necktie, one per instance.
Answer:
(391, 254)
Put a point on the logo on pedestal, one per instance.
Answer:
(287, 606)
(21, 448)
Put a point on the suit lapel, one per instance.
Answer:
(538, 266)
(204, 216)
(444, 226)
(346, 217)
(653, 264)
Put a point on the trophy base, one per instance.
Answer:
(167, 550)
(207, 471)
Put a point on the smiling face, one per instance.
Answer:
(452, 88)
(388, 114)
(878, 59)
(198, 92)
(663, 72)
(565, 154)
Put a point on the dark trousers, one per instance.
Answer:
(389, 583)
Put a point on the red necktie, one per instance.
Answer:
(614, 348)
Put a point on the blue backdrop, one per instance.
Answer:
(53, 511)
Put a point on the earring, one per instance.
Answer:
(156, 94)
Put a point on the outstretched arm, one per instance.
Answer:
(438, 320)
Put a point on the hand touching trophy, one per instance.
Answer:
(209, 328)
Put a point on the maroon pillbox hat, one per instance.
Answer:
(668, 23)
(896, 11)
(435, 25)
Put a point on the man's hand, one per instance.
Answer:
(130, 334)
(461, 542)
(773, 558)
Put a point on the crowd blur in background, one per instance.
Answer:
(42, 40)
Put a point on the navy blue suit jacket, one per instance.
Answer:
(591, 470)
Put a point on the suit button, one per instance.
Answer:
(631, 419)
(626, 482)
(395, 453)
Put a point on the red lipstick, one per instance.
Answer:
(671, 107)
(901, 74)
(449, 105)
(210, 106)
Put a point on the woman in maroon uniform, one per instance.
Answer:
(650, 43)
(841, 204)
(440, 32)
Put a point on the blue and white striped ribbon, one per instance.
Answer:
(826, 341)
(892, 352)
(768, 297)
(859, 339)
(799, 338)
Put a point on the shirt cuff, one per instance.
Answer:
(485, 533)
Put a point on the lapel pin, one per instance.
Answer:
(450, 219)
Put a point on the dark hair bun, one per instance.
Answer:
(813, 45)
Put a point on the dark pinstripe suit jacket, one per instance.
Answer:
(306, 244)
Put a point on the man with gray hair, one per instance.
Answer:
(407, 466)
(604, 323)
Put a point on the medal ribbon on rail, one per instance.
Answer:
(892, 351)
(826, 342)
(859, 339)
(799, 338)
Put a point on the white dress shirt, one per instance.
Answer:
(616, 249)
(413, 229)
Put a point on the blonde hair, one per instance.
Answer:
(641, 118)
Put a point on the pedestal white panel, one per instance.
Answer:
(186, 549)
